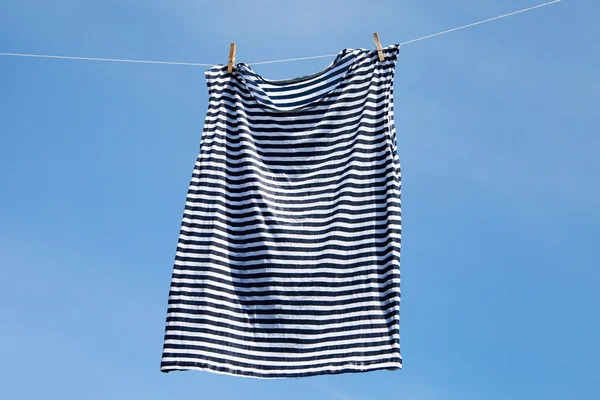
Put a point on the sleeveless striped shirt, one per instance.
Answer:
(288, 260)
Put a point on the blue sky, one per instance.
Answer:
(498, 142)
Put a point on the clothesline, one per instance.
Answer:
(274, 61)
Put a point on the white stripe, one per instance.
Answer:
(333, 152)
(354, 359)
(283, 308)
(207, 182)
(301, 247)
(299, 232)
(328, 166)
(338, 130)
(294, 315)
(302, 209)
(228, 339)
(292, 273)
(347, 108)
(287, 213)
(300, 194)
(311, 234)
(249, 264)
(273, 253)
(349, 100)
(371, 273)
(280, 297)
(246, 354)
(294, 291)
(345, 100)
(291, 220)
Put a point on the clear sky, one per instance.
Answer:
(498, 137)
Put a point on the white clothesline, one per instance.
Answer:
(274, 61)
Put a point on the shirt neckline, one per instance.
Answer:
(251, 81)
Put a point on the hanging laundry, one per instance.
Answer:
(288, 260)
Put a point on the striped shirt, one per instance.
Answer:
(288, 260)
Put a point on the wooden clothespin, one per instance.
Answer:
(231, 57)
(378, 45)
